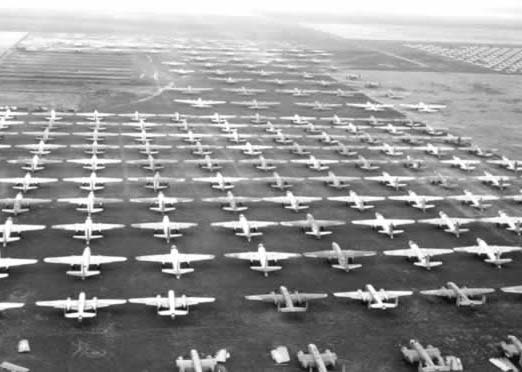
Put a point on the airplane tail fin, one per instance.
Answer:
(297, 207)
(391, 233)
(266, 269)
(235, 209)
(172, 313)
(93, 210)
(428, 264)
(293, 309)
(153, 168)
(179, 272)
(85, 237)
(85, 274)
(347, 267)
(384, 305)
(362, 207)
(251, 235)
(27, 187)
(222, 187)
(318, 234)
(471, 303)
(167, 237)
(11, 239)
(31, 169)
(498, 261)
(79, 316)
(14, 211)
(162, 210)
(94, 188)
(457, 231)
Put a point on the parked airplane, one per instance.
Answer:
(358, 201)
(421, 255)
(92, 182)
(247, 228)
(370, 106)
(190, 90)
(94, 163)
(191, 137)
(165, 229)
(315, 164)
(450, 224)
(161, 203)
(297, 149)
(196, 363)
(395, 182)
(500, 182)
(316, 360)
(463, 295)
(319, 106)
(423, 107)
(82, 308)
(232, 203)
(156, 182)
(429, 358)
(282, 138)
(52, 115)
(27, 182)
(287, 302)
(315, 227)
(493, 253)
(40, 148)
(421, 202)
(216, 117)
(19, 204)
(137, 116)
(45, 135)
(96, 148)
(84, 262)
(503, 219)
(97, 135)
(230, 80)
(243, 91)
(365, 164)
(176, 261)
(263, 163)
(473, 200)
(293, 202)
(375, 299)
(462, 164)
(255, 104)
(258, 118)
(90, 204)
(326, 138)
(387, 226)
(88, 229)
(171, 305)
(143, 136)
(389, 149)
(249, 149)
(277, 181)
(200, 103)
(505, 162)
(220, 182)
(297, 92)
(344, 258)
(298, 119)
(200, 149)
(264, 258)
(278, 82)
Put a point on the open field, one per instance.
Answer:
(134, 338)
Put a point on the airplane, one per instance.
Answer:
(370, 106)
(517, 289)
(334, 181)
(27, 182)
(200, 149)
(298, 119)
(319, 106)
(423, 107)
(443, 181)
(343, 257)
(410, 139)
(196, 363)
(428, 129)
(191, 137)
(52, 115)
(315, 129)
(394, 129)
(8, 228)
(143, 136)
(226, 127)
(293, 202)
(277, 181)
(243, 91)
(250, 149)
(358, 201)
(176, 261)
(255, 104)
(367, 138)
(513, 347)
(315, 164)
(287, 302)
(216, 117)
(35, 163)
(82, 308)
(161, 203)
(493, 253)
(142, 125)
(473, 200)
(208, 163)
(235, 137)
(232, 203)
(94, 163)
(248, 229)
(477, 151)
(264, 258)
(279, 82)
(326, 138)
(151, 163)
(190, 90)
(200, 103)
(450, 224)
(181, 71)
(389, 149)
(429, 358)
(366, 164)
(375, 299)
(88, 229)
(220, 72)
(97, 136)
(459, 141)
(9, 114)
(84, 263)
(10, 305)
(89, 204)
(95, 148)
(315, 227)
(421, 202)
(19, 204)
(45, 135)
(92, 182)
(230, 80)
(156, 182)
(322, 83)
(176, 117)
(258, 119)
(516, 197)
(462, 164)
(395, 182)
(499, 182)
(422, 255)
(336, 120)
(220, 182)
(137, 116)
(148, 148)
(505, 162)
(40, 148)
(168, 229)
(413, 164)
(315, 359)
(297, 149)
(95, 115)
(264, 72)
(345, 150)
(503, 219)
(296, 92)
(283, 138)
(339, 92)
(386, 225)
(171, 305)
(463, 295)
(263, 163)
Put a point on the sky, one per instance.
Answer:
(508, 9)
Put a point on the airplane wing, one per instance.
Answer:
(307, 296)
(186, 257)
(254, 256)
(426, 198)
(99, 303)
(399, 222)
(499, 249)
(66, 260)
(330, 254)
(354, 295)
(325, 223)
(395, 294)
(477, 291)
(227, 224)
(261, 224)
(155, 258)
(271, 297)
(298, 223)
(442, 292)
(10, 305)
(372, 222)
(11, 262)
(410, 252)
(442, 221)
(159, 225)
(19, 228)
(150, 301)
(58, 304)
(106, 226)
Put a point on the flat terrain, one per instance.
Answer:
(134, 338)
